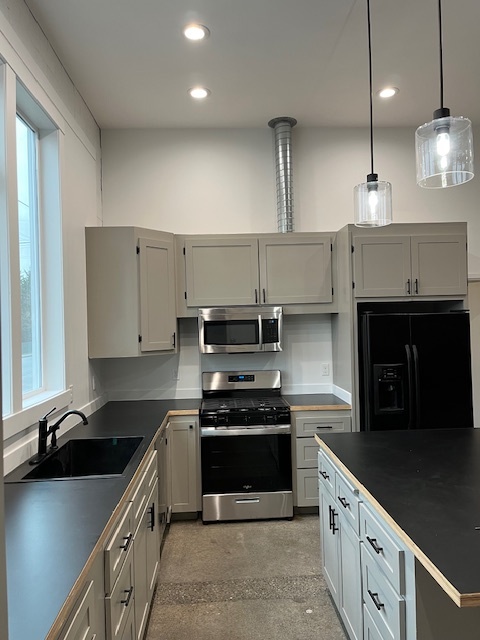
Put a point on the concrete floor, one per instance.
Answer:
(243, 581)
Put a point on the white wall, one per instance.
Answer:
(307, 343)
(24, 47)
(223, 181)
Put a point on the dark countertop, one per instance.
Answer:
(315, 402)
(52, 527)
(428, 482)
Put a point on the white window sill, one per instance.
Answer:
(39, 406)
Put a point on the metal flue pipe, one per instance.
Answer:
(282, 127)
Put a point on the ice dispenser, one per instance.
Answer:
(388, 388)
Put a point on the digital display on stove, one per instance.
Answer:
(242, 378)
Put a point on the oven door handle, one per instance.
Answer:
(259, 430)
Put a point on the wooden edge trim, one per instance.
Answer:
(77, 586)
(321, 407)
(460, 599)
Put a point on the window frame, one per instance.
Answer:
(24, 411)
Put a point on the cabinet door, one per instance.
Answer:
(295, 270)
(307, 488)
(350, 580)
(329, 540)
(153, 543)
(221, 272)
(182, 465)
(439, 265)
(81, 624)
(157, 295)
(140, 577)
(382, 266)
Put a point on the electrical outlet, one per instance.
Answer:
(175, 375)
(70, 387)
(325, 369)
(94, 383)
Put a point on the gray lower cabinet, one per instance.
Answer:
(340, 546)
(146, 549)
(305, 424)
(368, 570)
(183, 467)
(129, 632)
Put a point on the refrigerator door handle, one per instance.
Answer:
(416, 366)
(410, 386)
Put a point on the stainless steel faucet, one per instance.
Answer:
(44, 431)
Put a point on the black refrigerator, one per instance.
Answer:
(415, 370)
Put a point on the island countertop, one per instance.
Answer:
(426, 485)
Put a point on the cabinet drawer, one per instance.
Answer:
(143, 488)
(120, 602)
(384, 604)
(348, 501)
(311, 425)
(307, 453)
(326, 472)
(307, 488)
(370, 629)
(81, 624)
(118, 546)
(388, 555)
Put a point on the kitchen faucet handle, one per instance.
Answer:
(49, 413)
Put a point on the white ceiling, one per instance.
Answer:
(264, 58)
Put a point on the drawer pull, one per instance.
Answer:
(344, 502)
(373, 542)
(376, 601)
(127, 539)
(129, 595)
(324, 475)
(327, 426)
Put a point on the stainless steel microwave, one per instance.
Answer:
(240, 329)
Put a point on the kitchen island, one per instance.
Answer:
(421, 491)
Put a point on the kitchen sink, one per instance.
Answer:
(87, 457)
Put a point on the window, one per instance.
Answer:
(29, 249)
(31, 267)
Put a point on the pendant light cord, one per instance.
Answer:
(441, 50)
(370, 82)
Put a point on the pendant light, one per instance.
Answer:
(444, 146)
(372, 199)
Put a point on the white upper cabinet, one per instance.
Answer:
(130, 292)
(296, 269)
(410, 265)
(221, 271)
(286, 269)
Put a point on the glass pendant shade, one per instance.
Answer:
(373, 203)
(444, 151)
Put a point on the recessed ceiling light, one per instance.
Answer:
(199, 93)
(388, 92)
(196, 32)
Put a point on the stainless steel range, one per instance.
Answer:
(245, 438)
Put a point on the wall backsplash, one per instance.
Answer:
(307, 343)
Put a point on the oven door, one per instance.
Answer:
(247, 461)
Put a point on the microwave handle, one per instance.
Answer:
(260, 333)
